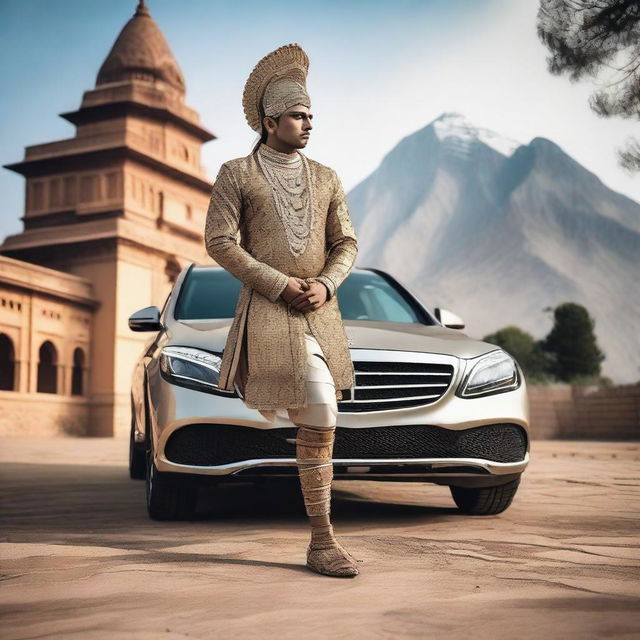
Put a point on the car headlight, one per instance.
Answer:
(192, 368)
(493, 372)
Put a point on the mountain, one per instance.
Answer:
(496, 231)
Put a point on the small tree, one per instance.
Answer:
(521, 345)
(571, 344)
(586, 37)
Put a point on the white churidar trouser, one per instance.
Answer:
(321, 409)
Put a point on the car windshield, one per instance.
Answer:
(211, 293)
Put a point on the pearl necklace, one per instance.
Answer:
(290, 180)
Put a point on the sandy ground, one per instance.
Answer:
(81, 559)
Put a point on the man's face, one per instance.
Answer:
(293, 127)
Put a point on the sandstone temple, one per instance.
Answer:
(111, 217)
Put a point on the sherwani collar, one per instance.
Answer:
(278, 156)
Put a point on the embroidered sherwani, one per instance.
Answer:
(245, 234)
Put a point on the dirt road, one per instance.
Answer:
(81, 559)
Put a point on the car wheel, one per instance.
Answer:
(167, 498)
(137, 454)
(484, 501)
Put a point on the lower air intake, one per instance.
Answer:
(213, 445)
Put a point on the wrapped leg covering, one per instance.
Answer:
(314, 449)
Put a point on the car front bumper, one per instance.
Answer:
(459, 471)
(173, 407)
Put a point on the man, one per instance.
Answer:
(287, 349)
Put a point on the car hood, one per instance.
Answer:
(361, 334)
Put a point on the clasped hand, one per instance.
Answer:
(303, 295)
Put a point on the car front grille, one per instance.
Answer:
(213, 445)
(388, 385)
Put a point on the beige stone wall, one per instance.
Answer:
(566, 411)
(40, 306)
(43, 414)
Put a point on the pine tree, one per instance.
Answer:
(571, 343)
(589, 37)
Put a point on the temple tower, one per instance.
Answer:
(121, 204)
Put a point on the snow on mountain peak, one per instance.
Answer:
(453, 125)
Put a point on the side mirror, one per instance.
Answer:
(147, 319)
(448, 318)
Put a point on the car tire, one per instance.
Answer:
(484, 501)
(168, 498)
(137, 454)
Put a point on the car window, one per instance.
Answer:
(212, 293)
(208, 293)
(368, 296)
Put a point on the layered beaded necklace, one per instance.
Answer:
(290, 180)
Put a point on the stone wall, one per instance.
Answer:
(573, 412)
(43, 414)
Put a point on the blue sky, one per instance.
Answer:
(379, 71)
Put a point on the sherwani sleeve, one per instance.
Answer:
(220, 236)
(341, 241)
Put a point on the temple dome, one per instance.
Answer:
(141, 52)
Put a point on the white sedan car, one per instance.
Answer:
(430, 404)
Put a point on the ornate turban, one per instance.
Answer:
(276, 83)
